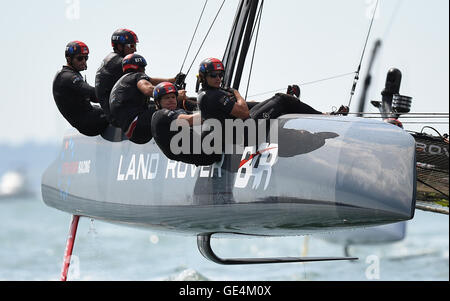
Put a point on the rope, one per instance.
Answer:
(407, 114)
(259, 17)
(355, 82)
(429, 127)
(307, 83)
(392, 19)
(413, 117)
(215, 18)
(428, 185)
(193, 36)
(425, 122)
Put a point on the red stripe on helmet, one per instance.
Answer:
(84, 48)
(130, 66)
(217, 64)
(136, 40)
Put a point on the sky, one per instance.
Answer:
(299, 42)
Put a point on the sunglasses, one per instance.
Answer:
(130, 46)
(82, 57)
(216, 74)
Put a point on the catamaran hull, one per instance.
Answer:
(324, 174)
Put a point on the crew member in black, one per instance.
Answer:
(129, 100)
(219, 104)
(73, 96)
(124, 43)
(165, 96)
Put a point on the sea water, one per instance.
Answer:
(33, 238)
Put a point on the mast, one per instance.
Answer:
(239, 42)
(368, 80)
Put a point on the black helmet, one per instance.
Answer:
(76, 47)
(133, 62)
(124, 36)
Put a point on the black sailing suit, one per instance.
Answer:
(163, 136)
(130, 108)
(73, 97)
(107, 75)
(218, 104)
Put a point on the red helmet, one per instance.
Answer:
(124, 36)
(76, 47)
(133, 62)
(211, 65)
(164, 89)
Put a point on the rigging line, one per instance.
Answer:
(406, 114)
(326, 79)
(256, 24)
(428, 185)
(193, 36)
(425, 122)
(214, 21)
(413, 117)
(431, 128)
(259, 17)
(392, 19)
(355, 82)
(307, 83)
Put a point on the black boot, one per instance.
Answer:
(293, 90)
(343, 110)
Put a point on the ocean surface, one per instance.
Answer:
(33, 238)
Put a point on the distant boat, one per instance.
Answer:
(14, 184)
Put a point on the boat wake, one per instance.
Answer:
(187, 275)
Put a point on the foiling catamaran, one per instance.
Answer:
(339, 173)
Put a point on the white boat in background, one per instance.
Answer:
(14, 185)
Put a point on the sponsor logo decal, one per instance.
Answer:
(146, 166)
(77, 167)
(255, 164)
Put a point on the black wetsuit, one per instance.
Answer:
(280, 104)
(73, 97)
(131, 109)
(218, 104)
(161, 122)
(107, 75)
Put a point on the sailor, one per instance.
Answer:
(220, 104)
(73, 96)
(217, 103)
(167, 100)
(129, 99)
(124, 43)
